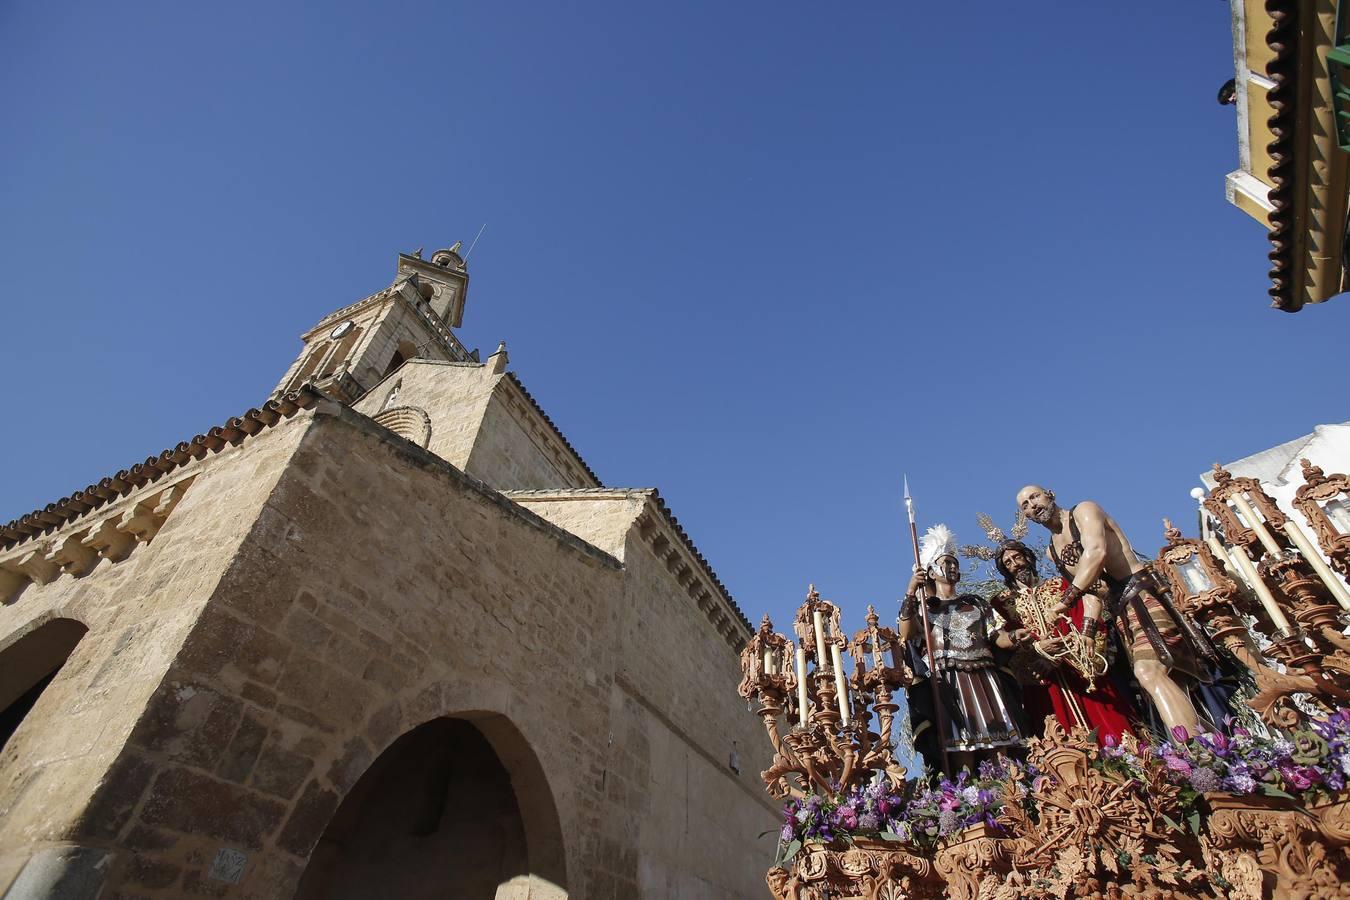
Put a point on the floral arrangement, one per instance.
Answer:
(923, 812)
(1301, 766)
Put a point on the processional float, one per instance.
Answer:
(1260, 810)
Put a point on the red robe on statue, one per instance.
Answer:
(1063, 693)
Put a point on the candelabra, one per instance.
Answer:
(829, 745)
(1284, 571)
(1325, 501)
(1205, 592)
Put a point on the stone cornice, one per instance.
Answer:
(692, 570)
(397, 292)
(661, 531)
(546, 433)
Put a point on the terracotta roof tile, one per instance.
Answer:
(1283, 70)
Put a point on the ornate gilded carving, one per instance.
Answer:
(1229, 491)
(1311, 499)
(830, 745)
(1078, 820)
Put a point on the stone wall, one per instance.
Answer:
(696, 822)
(483, 423)
(454, 395)
(63, 773)
(379, 589)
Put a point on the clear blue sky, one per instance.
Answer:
(767, 257)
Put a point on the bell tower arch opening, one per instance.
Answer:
(29, 665)
(457, 807)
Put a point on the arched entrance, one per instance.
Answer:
(30, 664)
(452, 809)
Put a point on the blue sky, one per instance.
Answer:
(765, 257)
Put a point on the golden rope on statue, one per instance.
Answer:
(1072, 648)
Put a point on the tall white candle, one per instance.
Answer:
(1254, 522)
(822, 660)
(766, 656)
(1221, 553)
(1315, 560)
(1263, 593)
(801, 686)
(840, 684)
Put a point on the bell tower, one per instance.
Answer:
(351, 349)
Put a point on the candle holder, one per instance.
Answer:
(1325, 501)
(1224, 502)
(830, 747)
(1204, 591)
(1314, 608)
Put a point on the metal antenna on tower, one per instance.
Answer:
(475, 242)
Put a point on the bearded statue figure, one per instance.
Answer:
(1118, 593)
(1049, 685)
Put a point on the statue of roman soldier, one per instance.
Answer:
(976, 715)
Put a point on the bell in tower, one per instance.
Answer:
(444, 281)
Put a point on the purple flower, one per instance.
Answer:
(1214, 742)
(1296, 777)
(948, 821)
(786, 834)
(846, 818)
(1205, 780)
(1179, 734)
(869, 822)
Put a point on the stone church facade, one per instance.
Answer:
(386, 635)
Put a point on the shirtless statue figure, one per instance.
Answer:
(1119, 593)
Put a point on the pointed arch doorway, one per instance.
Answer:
(455, 808)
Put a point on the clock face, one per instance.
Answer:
(342, 329)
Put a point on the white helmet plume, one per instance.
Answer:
(936, 543)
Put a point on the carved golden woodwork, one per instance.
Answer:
(1217, 608)
(1080, 828)
(1267, 847)
(1310, 499)
(870, 870)
(1238, 534)
(820, 751)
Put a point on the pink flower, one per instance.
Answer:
(1296, 777)
(1179, 734)
(1177, 764)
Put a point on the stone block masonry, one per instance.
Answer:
(320, 592)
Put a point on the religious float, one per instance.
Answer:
(1258, 807)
